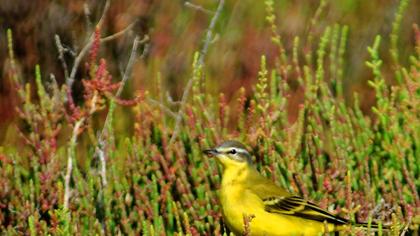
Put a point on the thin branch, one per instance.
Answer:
(163, 107)
(406, 227)
(102, 143)
(70, 80)
(121, 33)
(61, 50)
(101, 154)
(209, 34)
(198, 8)
(87, 16)
(79, 123)
(70, 157)
(145, 49)
(102, 19)
(200, 63)
(131, 61)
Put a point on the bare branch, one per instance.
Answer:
(79, 123)
(198, 8)
(102, 19)
(121, 33)
(209, 34)
(61, 55)
(70, 80)
(163, 107)
(99, 150)
(87, 16)
(406, 227)
(146, 48)
(131, 61)
(200, 63)
(70, 157)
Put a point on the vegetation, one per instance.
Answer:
(102, 164)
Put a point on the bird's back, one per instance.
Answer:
(263, 187)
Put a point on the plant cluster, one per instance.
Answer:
(73, 178)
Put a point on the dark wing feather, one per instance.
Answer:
(297, 206)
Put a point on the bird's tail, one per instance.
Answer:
(372, 226)
(366, 226)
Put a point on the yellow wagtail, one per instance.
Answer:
(272, 210)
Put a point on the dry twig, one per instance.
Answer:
(84, 51)
(198, 8)
(99, 150)
(69, 82)
(200, 62)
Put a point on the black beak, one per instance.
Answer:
(210, 152)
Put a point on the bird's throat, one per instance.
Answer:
(234, 175)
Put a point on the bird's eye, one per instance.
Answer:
(233, 151)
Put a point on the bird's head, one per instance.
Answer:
(230, 154)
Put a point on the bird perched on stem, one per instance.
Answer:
(267, 208)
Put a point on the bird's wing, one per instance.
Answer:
(263, 187)
(278, 200)
(297, 206)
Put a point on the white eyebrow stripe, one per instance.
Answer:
(239, 150)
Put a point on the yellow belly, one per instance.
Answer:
(238, 203)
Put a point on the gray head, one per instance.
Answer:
(230, 153)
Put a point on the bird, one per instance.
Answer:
(245, 194)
